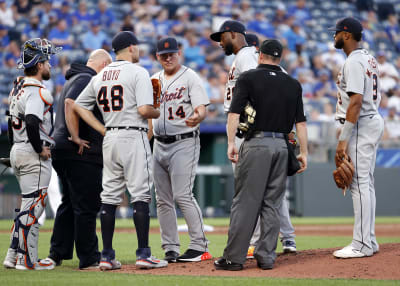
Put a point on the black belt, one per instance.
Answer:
(128, 128)
(342, 120)
(33, 195)
(262, 134)
(171, 139)
(44, 143)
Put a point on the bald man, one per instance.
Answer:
(79, 167)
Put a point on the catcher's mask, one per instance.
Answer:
(36, 50)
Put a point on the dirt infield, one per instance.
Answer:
(316, 263)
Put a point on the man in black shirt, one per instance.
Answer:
(79, 170)
(262, 163)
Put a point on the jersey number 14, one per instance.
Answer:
(117, 101)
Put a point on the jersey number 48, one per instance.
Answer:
(117, 101)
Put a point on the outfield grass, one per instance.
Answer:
(125, 246)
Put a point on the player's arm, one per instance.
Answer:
(301, 129)
(150, 132)
(354, 74)
(72, 122)
(89, 118)
(198, 116)
(32, 130)
(148, 111)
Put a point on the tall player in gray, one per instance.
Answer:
(176, 153)
(30, 126)
(357, 109)
(124, 95)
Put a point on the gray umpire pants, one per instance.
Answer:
(260, 178)
(286, 228)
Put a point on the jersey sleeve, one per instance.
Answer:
(354, 75)
(143, 88)
(241, 95)
(300, 117)
(197, 91)
(246, 62)
(87, 98)
(34, 104)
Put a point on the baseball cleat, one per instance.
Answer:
(11, 259)
(41, 264)
(150, 262)
(250, 252)
(109, 264)
(95, 265)
(171, 256)
(192, 255)
(289, 246)
(349, 252)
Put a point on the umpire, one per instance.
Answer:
(262, 162)
(79, 170)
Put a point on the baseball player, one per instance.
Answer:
(124, 95)
(362, 128)
(30, 128)
(176, 153)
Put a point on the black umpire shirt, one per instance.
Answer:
(275, 95)
(78, 77)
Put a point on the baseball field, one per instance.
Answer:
(312, 265)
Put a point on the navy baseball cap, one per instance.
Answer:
(228, 26)
(123, 40)
(349, 24)
(272, 48)
(252, 40)
(167, 45)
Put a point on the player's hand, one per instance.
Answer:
(193, 120)
(81, 144)
(340, 152)
(303, 163)
(233, 153)
(45, 154)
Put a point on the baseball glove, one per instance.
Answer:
(156, 92)
(343, 175)
(5, 162)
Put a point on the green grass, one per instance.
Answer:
(127, 223)
(125, 245)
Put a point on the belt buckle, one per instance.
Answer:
(178, 137)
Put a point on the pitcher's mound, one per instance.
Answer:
(315, 263)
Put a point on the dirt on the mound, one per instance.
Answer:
(316, 263)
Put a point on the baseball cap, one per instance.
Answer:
(349, 24)
(252, 40)
(123, 40)
(167, 45)
(228, 26)
(272, 48)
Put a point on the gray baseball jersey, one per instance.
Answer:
(360, 75)
(33, 98)
(246, 59)
(175, 163)
(180, 95)
(118, 90)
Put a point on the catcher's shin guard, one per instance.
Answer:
(26, 227)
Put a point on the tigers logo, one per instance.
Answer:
(166, 45)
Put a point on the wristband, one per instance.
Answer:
(346, 131)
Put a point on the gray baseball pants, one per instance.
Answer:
(174, 169)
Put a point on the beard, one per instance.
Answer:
(46, 75)
(228, 49)
(339, 44)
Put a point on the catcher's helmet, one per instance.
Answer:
(35, 51)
